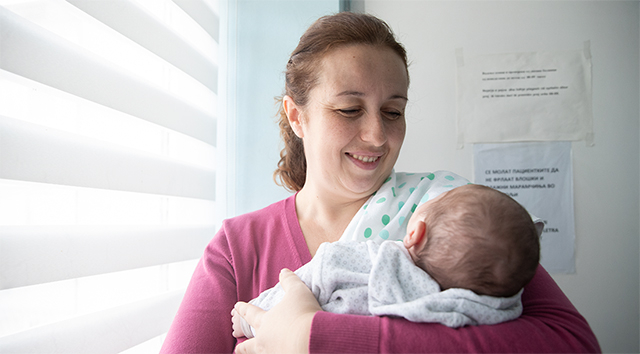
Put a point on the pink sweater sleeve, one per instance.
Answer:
(203, 321)
(549, 323)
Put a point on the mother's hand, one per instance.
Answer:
(287, 326)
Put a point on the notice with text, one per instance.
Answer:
(539, 177)
(534, 96)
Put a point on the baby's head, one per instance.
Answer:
(477, 238)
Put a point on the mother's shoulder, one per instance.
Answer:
(275, 218)
(263, 215)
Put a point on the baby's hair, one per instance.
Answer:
(480, 239)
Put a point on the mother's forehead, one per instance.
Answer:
(362, 55)
(359, 74)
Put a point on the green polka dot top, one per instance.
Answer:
(386, 214)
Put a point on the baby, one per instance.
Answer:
(465, 258)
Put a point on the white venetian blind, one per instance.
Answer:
(107, 168)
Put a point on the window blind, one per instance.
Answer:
(108, 123)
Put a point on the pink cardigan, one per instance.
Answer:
(246, 255)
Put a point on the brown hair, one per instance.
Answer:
(480, 239)
(301, 74)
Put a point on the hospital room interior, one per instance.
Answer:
(90, 207)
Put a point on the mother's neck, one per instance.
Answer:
(323, 218)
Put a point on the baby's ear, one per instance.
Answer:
(415, 235)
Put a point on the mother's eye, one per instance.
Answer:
(349, 112)
(393, 115)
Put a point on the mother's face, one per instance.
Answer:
(353, 126)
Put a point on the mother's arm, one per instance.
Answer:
(203, 321)
(549, 323)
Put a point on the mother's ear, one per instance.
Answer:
(293, 115)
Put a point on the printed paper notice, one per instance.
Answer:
(537, 96)
(538, 176)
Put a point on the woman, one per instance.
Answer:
(342, 120)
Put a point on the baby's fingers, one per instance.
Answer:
(236, 322)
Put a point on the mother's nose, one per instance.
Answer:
(373, 130)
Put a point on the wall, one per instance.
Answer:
(267, 31)
(606, 177)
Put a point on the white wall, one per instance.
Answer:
(606, 177)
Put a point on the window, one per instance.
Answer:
(108, 123)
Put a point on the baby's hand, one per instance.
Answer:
(236, 319)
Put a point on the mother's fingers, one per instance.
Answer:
(297, 293)
(247, 347)
(289, 280)
(252, 314)
(292, 285)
